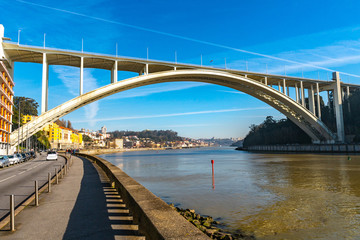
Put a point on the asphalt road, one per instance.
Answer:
(20, 179)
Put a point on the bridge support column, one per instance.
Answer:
(279, 86)
(347, 97)
(114, 73)
(338, 108)
(318, 101)
(146, 69)
(296, 93)
(302, 93)
(45, 85)
(265, 81)
(284, 86)
(81, 75)
(311, 99)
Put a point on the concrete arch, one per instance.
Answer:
(283, 103)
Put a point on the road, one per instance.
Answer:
(19, 179)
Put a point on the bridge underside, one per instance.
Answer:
(296, 112)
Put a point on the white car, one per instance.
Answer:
(13, 159)
(52, 155)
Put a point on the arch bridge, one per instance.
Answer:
(272, 89)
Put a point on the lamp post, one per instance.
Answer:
(19, 125)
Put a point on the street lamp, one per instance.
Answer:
(19, 116)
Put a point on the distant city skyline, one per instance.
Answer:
(276, 38)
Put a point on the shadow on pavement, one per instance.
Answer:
(90, 218)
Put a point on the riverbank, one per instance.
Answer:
(314, 148)
(210, 227)
(117, 150)
(109, 151)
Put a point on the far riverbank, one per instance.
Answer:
(118, 150)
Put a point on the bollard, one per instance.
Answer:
(36, 194)
(49, 182)
(12, 213)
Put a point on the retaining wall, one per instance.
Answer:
(320, 148)
(156, 219)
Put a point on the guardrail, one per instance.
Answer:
(9, 218)
(155, 218)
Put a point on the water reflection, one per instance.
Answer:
(276, 196)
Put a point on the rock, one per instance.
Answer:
(210, 232)
(196, 222)
(227, 237)
(207, 223)
(202, 228)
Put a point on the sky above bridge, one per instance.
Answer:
(325, 36)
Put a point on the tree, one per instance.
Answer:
(271, 131)
(69, 125)
(27, 106)
(61, 122)
(86, 138)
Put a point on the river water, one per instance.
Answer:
(273, 196)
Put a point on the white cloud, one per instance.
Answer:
(157, 88)
(234, 92)
(330, 56)
(70, 76)
(175, 114)
(191, 125)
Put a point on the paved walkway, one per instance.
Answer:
(82, 206)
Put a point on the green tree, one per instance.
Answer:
(86, 138)
(27, 106)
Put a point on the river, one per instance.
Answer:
(273, 196)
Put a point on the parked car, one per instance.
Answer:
(13, 159)
(4, 161)
(33, 154)
(21, 159)
(52, 155)
(24, 157)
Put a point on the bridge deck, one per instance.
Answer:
(23, 53)
(82, 206)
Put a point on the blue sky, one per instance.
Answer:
(311, 32)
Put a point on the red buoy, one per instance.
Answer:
(213, 177)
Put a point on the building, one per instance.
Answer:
(103, 130)
(6, 113)
(116, 143)
(62, 137)
(27, 118)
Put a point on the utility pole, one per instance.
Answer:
(19, 119)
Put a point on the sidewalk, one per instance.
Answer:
(82, 206)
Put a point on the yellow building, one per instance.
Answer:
(6, 103)
(63, 138)
(27, 118)
(76, 138)
(55, 133)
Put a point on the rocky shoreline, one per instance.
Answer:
(209, 226)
